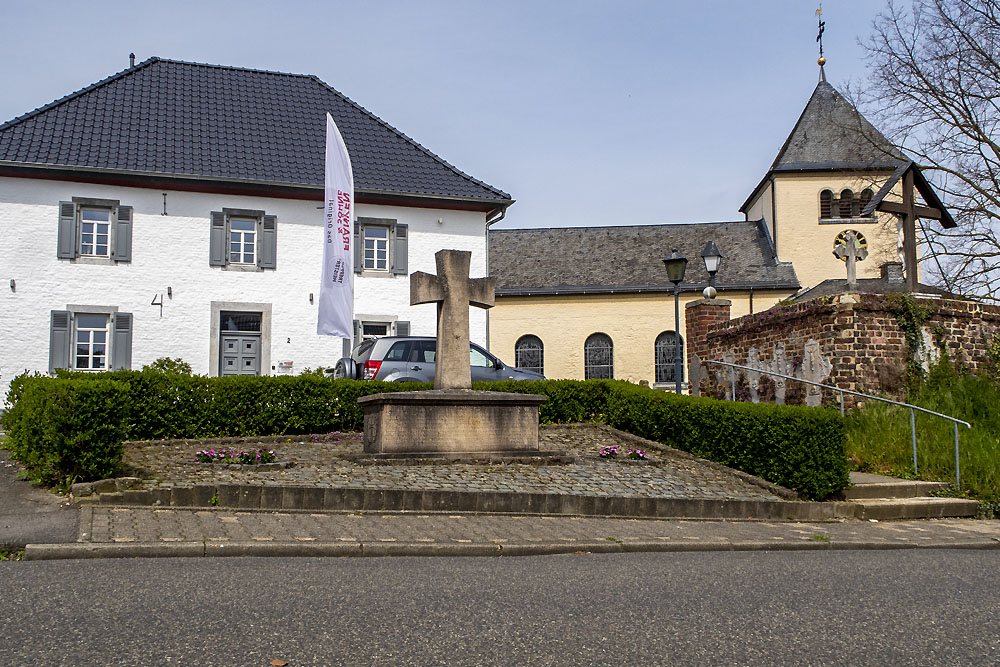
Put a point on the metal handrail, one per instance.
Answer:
(913, 429)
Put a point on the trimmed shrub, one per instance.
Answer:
(801, 448)
(67, 429)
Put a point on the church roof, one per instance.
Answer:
(831, 134)
(215, 123)
(628, 259)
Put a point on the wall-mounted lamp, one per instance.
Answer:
(310, 296)
(170, 292)
(13, 285)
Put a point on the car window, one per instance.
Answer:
(423, 351)
(398, 352)
(479, 358)
(364, 348)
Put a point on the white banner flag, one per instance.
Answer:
(336, 292)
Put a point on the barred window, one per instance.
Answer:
(598, 358)
(826, 204)
(846, 204)
(528, 353)
(666, 353)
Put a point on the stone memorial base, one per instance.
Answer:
(452, 421)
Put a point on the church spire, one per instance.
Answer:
(819, 39)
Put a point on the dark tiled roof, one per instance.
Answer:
(867, 286)
(832, 134)
(630, 258)
(213, 122)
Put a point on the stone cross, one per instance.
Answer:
(453, 291)
(815, 368)
(852, 252)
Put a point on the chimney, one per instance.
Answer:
(892, 272)
(131, 60)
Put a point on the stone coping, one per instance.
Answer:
(453, 397)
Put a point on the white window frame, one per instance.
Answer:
(254, 241)
(378, 265)
(90, 342)
(95, 234)
(372, 323)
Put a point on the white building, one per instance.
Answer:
(174, 210)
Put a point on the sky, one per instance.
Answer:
(587, 113)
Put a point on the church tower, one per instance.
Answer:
(829, 168)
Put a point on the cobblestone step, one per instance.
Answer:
(898, 489)
(889, 509)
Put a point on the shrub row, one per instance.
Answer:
(75, 424)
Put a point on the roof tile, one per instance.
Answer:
(179, 118)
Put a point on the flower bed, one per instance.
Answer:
(243, 456)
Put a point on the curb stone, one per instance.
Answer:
(383, 549)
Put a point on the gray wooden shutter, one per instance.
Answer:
(269, 242)
(357, 331)
(399, 262)
(66, 247)
(402, 328)
(347, 348)
(359, 235)
(121, 341)
(217, 245)
(123, 235)
(59, 334)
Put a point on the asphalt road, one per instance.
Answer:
(806, 608)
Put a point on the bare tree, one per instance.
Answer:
(933, 89)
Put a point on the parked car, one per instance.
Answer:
(411, 359)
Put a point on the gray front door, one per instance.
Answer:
(240, 355)
(239, 343)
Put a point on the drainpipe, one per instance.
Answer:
(490, 223)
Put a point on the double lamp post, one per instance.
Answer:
(676, 265)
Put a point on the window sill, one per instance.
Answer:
(376, 274)
(243, 268)
(848, 221)
(94, 261)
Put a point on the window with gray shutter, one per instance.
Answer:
(399, 251)
(123, 235)
(402, 328)
(121, 345)
(59, 337)
(217, 243)
(66, 247)
(269, 242)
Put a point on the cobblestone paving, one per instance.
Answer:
(123, 525)
(324, 461)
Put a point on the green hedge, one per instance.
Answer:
(74, 424)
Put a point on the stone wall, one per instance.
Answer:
(851, 341)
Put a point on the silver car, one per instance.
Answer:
(411, 359)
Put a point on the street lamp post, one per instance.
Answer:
(676, 264)
(712, 258)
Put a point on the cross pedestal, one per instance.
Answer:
(452, 420)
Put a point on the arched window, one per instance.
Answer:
(528, 353)
(598, 358)
(846, 203)
(666, 354)
(826, 204)
(866, 196)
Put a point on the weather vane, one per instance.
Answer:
(819, 37)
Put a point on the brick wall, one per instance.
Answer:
(858, 333)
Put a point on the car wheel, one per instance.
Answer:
(345, 369)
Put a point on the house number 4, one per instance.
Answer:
(157, 301)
